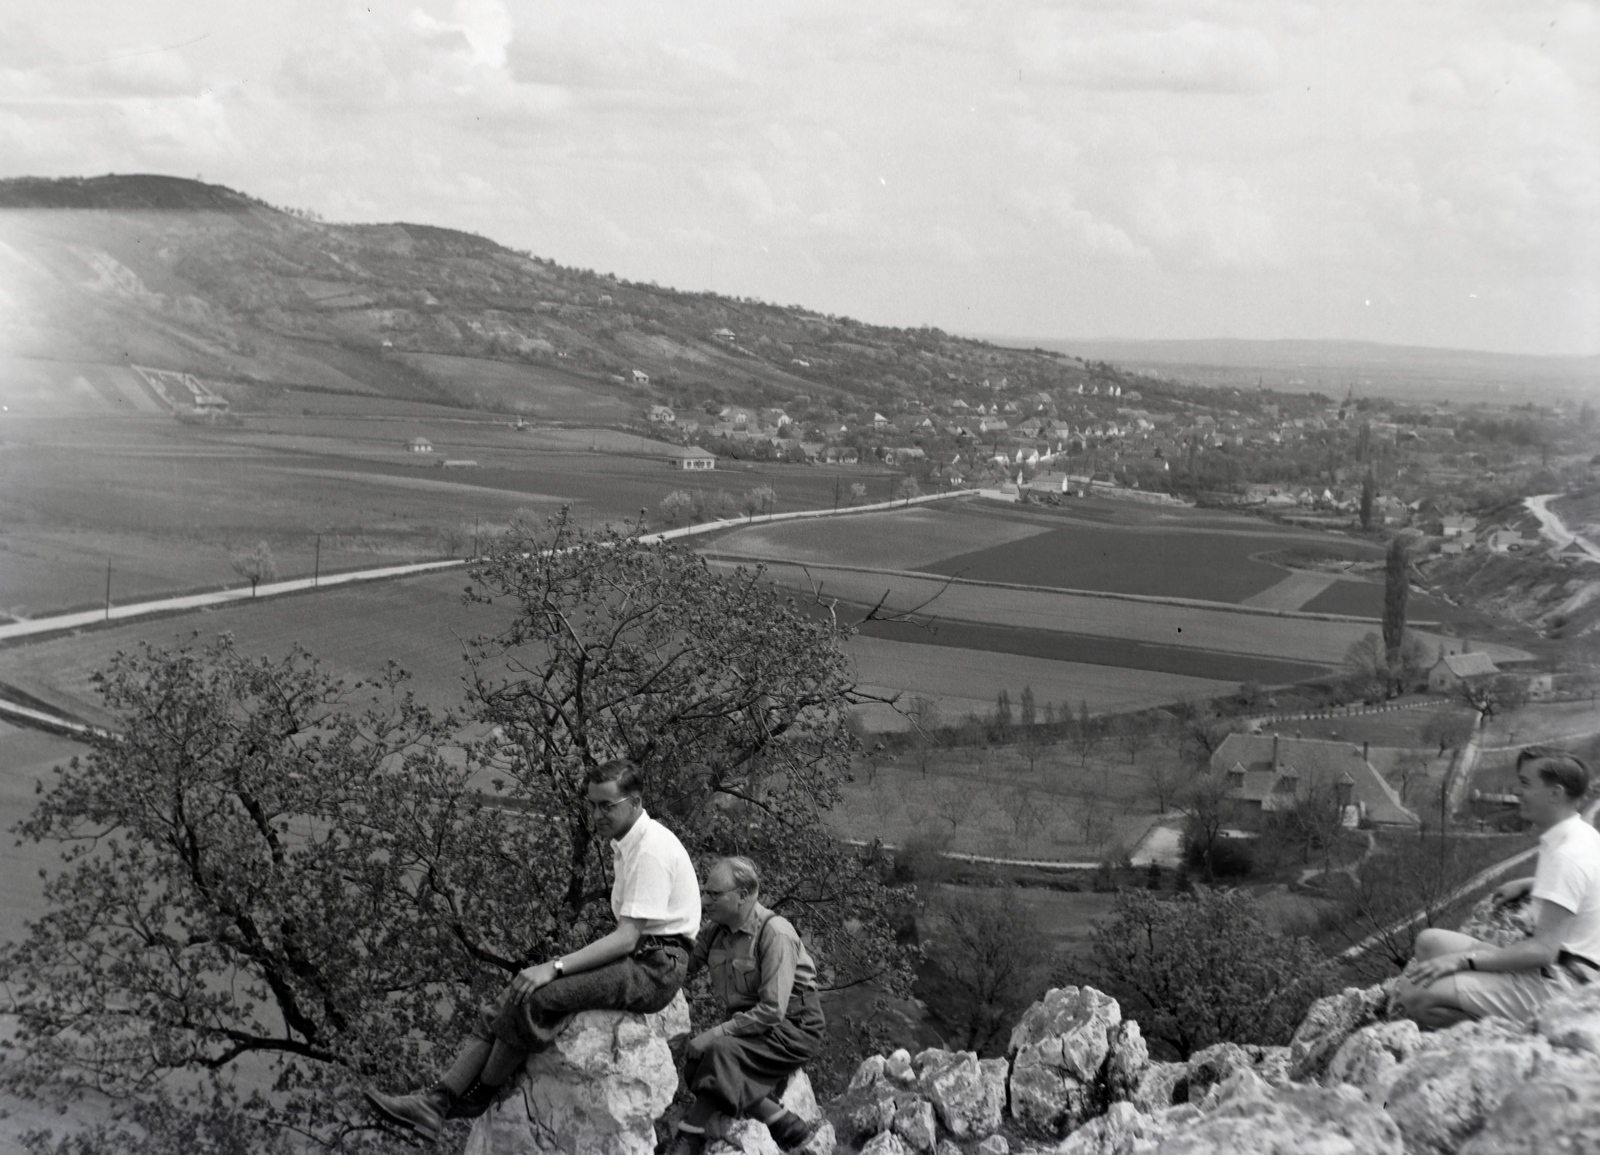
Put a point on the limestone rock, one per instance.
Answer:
(1369, 1058)
(1157, 1084)
(799, 1096)
(745, 1137)
(1122, 1130)
(1288, 1120)
(916, 1125)
(994, 1145)
(1544, 1116)
(1500, 925)
(863, 1113)
(1243, 1083)
(598, 1089)
(1057, 1051)
(1442, 1094)
(821, 1143)
(1572, 1020)
(1329, 1022)
(897, 1068)
(1129, 1058)
(969, 1096)
(1216, 1063)
(869, 1072)
(886, 1144)
(946, 1147)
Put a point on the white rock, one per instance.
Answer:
(1326, 1026)
(1369, 1058)
(1058, 1051)
(1572, 1020)
(916, 1125)
(869, 1072)
(897, 1067)
(969, 1096)
(598, 1089)
(887, 1143)
(994, 1145)
(1442, 1094)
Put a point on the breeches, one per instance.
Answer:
(643, 983)
(738, 1071)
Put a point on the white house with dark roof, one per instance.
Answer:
(1270, 772)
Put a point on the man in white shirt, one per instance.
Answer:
(639, 966)
(1455, 977)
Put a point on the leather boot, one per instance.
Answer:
(422, 1113)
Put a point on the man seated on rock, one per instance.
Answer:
(763, 974)
(1455, 977)
(638, 967)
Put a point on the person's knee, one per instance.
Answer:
(1431, 943)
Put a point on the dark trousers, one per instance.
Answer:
(738, 1071)
(643, 982)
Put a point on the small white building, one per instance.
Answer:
(692, 457)
(662, 415)
(640, 377)
(1453, 669)
(420, 445)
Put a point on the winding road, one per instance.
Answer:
(1553, 528)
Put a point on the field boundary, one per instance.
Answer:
(1146, 599)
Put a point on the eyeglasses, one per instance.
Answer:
(605, 807)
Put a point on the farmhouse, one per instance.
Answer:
(1268, 772)
(692, 457)
(1453, 669)
(662, 415)
(420, 445)
(640, 377)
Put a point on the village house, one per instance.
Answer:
(640, 377)
(1270, 772)
(1453, 669)
(662, 415)
(1454, 525)
(692, 457)
(420, 445)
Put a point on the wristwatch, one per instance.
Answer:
(560, 967)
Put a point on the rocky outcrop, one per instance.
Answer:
(1351, 1082)
(1058, 1057)
(599, 1089)
(1328, 1023)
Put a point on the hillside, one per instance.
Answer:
(176, 274)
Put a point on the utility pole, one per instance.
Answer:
(475, 538)
(108, 589)
(316, 566)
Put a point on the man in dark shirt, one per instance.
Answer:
(763, 974)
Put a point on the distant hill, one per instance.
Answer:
(177, 274)
(1337, 367)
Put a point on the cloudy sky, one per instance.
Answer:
(1411, 171)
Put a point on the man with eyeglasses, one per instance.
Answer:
(763, 974)
(1455, 978)
(638, 967)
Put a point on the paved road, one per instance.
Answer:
(1552, 527)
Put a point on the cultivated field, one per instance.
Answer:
(26, 757)
(962, 681)
(1229, 631)
(164, 503)
(904, 539)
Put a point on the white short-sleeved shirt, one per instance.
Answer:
(1568, 875)
(654, 881)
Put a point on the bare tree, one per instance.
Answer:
(1022, 808)
(1162, 775)
(955, 802)
(1207, 806)
(1134, 732)
(1096, 823)
(1086, 733)
(923, 715)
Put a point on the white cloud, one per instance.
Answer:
(1193, 56)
